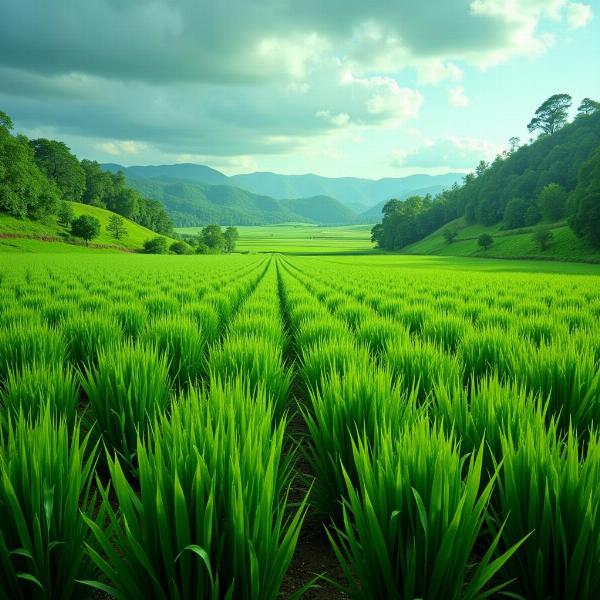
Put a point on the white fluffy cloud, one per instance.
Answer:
(457, 97)
(453, 153)
(579, 15)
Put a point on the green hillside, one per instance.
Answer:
(27, 234)
(517, 243)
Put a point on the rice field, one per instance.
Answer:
(265, 426)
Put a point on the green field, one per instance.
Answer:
(18, 233)
(565, 244)
(301, 239)
(434, 409)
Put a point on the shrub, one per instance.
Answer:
(485, 240)
(46, 474)
(180, 248)
(156, 245)
(543, 237)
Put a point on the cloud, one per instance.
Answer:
(122, 147)
(578, 14)
(457, 97)
(450, 152)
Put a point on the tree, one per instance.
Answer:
(5, 121)
(485, 240)
(552, 114)
(156, 245)
(86, 227)
(543, 236)
(66, 214)
(180, 248)
(212, 236)
(514, 143)
(532, 215)
(552, 202)
(514, 213)
(230, 236)
(24, 189)
(585, 221)
(450, 234)
(588, 107)
(116, 226)
(60, 166)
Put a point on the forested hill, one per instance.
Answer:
(192, 204)
(533, 184)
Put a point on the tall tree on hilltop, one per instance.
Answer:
(551, 114)
(588, 107)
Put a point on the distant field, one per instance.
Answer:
(301, 239)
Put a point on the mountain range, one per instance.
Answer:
(195, 195)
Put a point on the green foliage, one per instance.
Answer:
(38, 389)
(585, 221)
(485, 240)
(551, 115)
(543, 236)
(180, 248)
(231, 236)
(411, 525)
(550, 492)
(22, 344)
(209, 521)
(342, 411)
(450, 234)
(552, 201)
(514, 213)
(66, 214)
(157, 245)
(128, 390)
(116, 226)
(86, 227)
(61, 167)
(46, 473)
(212, 237)
(182, 341)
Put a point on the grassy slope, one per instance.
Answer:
(134, 240)
(516, 243)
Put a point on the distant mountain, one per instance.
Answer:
(195, 204)
(197, 195)
(354, 192)
(321, 209)
(187, 171)
(373, 215)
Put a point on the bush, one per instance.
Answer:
(45, 479)
(543, 237)
(180, 248)
(86, 227)
(485, 240)
(157, 245)
(66, 214)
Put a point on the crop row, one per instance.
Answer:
(145, 446)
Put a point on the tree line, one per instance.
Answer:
(211, 240)
(36, 175)
(549, 179)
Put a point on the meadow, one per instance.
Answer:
(256, 426)
(300, 238)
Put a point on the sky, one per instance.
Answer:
(384, 88)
